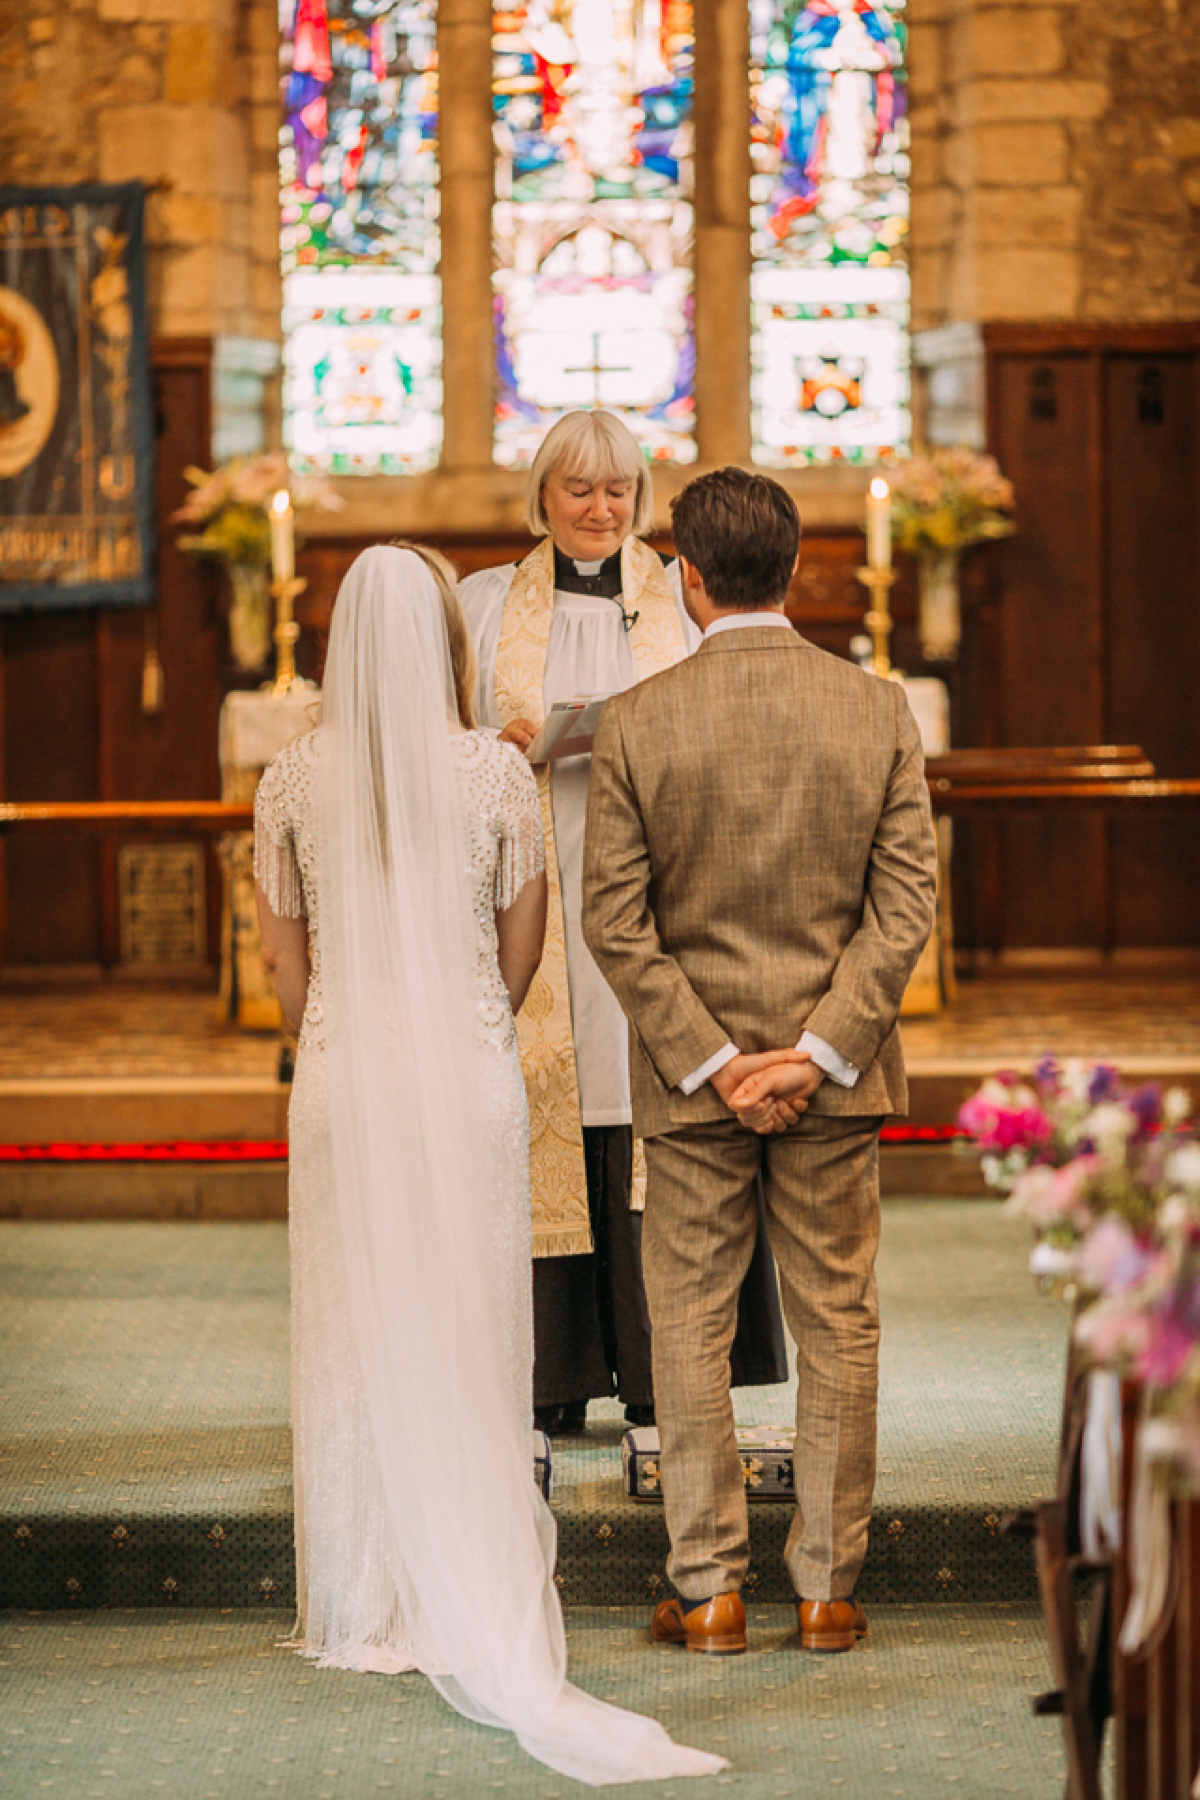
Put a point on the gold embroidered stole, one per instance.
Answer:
(560, 1209)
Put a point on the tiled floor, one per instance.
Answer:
(150, 1032)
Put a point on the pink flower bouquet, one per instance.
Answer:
(1109, 1179)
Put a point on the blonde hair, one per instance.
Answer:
(462, 653)
(591, 447)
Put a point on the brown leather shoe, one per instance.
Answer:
(718, 1628)
(831, 1624)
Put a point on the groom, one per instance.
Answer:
(759, 877)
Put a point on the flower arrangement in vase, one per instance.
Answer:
(230, 504)
(943, 501)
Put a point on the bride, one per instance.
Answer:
(401, 849)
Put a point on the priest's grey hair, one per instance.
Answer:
(591, 447)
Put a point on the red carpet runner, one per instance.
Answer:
(275, 1149)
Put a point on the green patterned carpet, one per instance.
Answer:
(204, 1706)
(144, 1453)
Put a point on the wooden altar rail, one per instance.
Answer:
(1090, 794)
(949, 796)
(197, 815)
(1052, 763)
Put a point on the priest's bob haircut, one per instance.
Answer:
(591, 447)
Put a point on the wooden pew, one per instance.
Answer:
(1152, 1698)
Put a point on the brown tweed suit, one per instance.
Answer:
(760, 860)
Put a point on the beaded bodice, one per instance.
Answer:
(504, 846)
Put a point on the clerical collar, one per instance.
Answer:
(605, 582)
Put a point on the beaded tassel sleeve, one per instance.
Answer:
(276, 868)
(522, 850)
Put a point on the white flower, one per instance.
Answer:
(1176, 1105)
(1183, 1166)
(1076, 1078)
(1174, 1215)
(1029, 1191)
(1109, 1124)
(1046, 1259)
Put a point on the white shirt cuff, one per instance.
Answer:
(829, 1060)
(708, 1069)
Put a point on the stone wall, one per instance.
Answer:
(1056, 160)
(181, 94)
(1056, 176)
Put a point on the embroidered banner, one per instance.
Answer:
(76, 436)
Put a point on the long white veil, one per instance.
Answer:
(471, 1538)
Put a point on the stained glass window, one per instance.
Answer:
(359, 239)
(829, 211)
(593, 219)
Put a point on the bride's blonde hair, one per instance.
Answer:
(462, 652)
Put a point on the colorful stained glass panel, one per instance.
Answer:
(829, 214)
(359, 236)
(593, 219)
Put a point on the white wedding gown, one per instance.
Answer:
(422, 1540)
(353, 1613)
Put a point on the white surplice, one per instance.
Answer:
(588, 653)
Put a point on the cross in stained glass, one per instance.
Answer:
(596, 368)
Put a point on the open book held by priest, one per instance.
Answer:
(569, 729)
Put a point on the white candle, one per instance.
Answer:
(283, 559)
(879, 525)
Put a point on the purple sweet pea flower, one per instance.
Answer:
(1146, 1105)
(1103, 1084)
(1047, 1071)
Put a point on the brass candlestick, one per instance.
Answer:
(878, 620)
(286, 633)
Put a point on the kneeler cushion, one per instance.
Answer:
(765, 1450)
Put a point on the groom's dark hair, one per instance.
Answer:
(742, 532)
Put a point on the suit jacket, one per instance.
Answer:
(759, 860)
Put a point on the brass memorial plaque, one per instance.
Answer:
(162, 912)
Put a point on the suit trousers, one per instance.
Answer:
(591, 1326)
(821, 1186)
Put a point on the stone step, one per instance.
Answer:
(156, 1109)
(938, 1086)
(258, 1190)
(142, 1109)
(148, 1190)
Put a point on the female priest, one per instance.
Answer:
(591, 611)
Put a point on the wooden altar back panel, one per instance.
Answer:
(825, 602)
(73, 725)
(1152, 496)
(1094, 633)
(50, 736)
(1048, 673)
